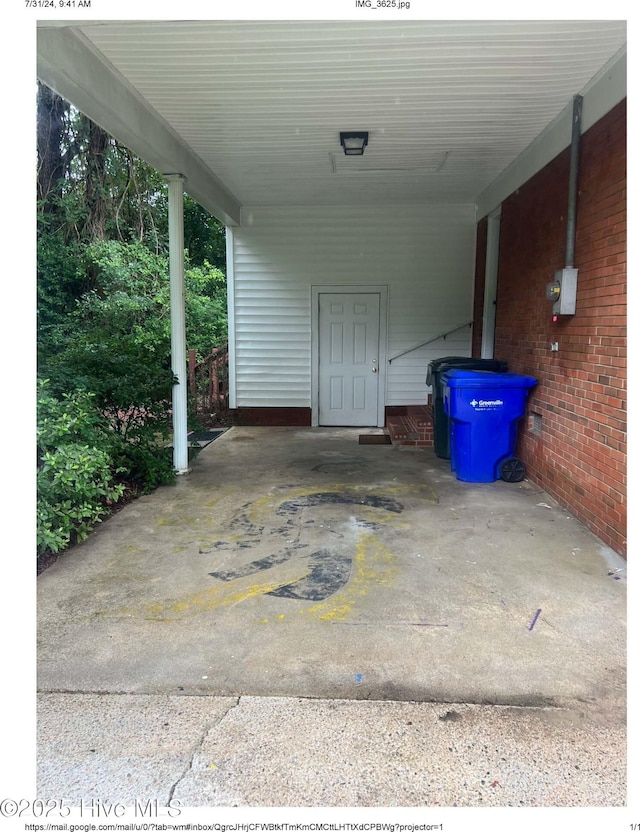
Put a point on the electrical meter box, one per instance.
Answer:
(565, 290)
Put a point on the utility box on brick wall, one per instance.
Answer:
(567, 285)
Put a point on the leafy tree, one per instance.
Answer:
(130, 304)
(104, 315)
(205, 308)
(204, 236)
(116, 340)
(53, 155)
(116, 344)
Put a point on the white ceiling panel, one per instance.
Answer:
(448, 105)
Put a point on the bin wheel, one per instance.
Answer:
(512, 470)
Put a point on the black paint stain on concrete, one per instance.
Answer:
(243, 523)
(225, 546)
(329, 572)
(255, 566)
(336, 498)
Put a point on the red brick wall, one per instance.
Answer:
(580, 454)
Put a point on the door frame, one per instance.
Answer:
(351, 289)
(491, 284)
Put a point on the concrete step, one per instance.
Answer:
(412, 426)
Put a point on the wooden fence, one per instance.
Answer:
(209, 382)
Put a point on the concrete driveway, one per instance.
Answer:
(299, 563)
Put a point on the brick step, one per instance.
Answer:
(414, 426)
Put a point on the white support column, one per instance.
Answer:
(178, 336)
(231, 317)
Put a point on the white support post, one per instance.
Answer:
(178, 336)
(231, 316)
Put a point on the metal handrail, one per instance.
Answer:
(431, 340)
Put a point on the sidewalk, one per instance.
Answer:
(261, 751)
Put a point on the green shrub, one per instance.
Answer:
(132, 388)
(75, 488)
(76, 476)
(144, 463)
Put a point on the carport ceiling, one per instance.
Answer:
(448, 105)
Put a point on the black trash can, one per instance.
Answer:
(441, 441)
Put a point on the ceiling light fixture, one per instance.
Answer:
(354, 143)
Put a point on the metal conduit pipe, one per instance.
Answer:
(573, 181)
(564, 289)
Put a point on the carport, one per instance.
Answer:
(247, 116)
(295, 561)
(301, 562)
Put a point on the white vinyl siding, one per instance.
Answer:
(424, 254)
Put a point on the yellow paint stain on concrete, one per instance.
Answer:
(221, 493)
(182, 520)
(218, 597)
(420, 490)
(374, 564)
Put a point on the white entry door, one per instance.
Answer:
(348, 352)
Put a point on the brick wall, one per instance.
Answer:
(573, 439)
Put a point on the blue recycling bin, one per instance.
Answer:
(436, 369)
(484, 409)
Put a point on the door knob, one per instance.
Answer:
(374, 369)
